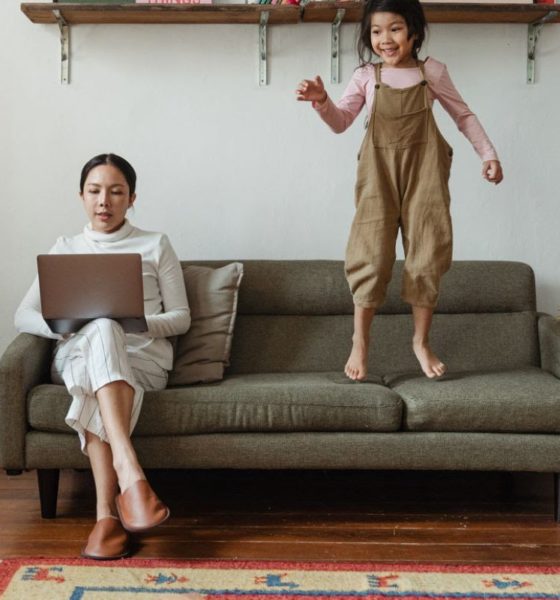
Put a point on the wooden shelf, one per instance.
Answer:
(325, 12)
(77, 14)
(314, 12)
(66, 14)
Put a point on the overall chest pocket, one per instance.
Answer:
(400, 118)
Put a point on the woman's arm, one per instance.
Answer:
(28, 317)
(176, 316)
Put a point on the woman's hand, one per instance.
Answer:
(492, 171)
(312, 90)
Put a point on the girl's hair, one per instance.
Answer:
(115, 161)
(410, 10)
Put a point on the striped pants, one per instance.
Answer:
(90, 359)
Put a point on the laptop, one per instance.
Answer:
(77, 288)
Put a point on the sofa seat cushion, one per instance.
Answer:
(279, 402)
(520, 400)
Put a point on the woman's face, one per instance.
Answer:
(106, 198)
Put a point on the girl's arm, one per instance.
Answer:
(337, 116)
(176, 316)
(466, 121)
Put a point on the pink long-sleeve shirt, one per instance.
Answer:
(361, 90)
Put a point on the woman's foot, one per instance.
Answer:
(356, 367)
(430, 363)
(139, 508)
(128, 470)
(107, 541)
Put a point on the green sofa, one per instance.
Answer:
(285, 404)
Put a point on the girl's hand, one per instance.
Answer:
(492, 171)
(312, 90)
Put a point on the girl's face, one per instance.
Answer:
(390, 39)
(106, 198)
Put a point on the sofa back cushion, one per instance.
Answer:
(267, 344)
(297, 316)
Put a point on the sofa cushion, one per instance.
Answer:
(319, 287)
(469, 342)
(519, 400)
(246, 403)
(203, 352)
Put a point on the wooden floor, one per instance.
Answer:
(320, 515)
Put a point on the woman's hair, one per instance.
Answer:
(115, 161)
(410, 10)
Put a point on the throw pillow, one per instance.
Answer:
(203, 352)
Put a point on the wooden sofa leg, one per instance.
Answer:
(48, 491)
(557, 497)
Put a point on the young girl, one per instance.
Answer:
(403, 171)
(105, 370)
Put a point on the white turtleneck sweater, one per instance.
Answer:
(165, 300)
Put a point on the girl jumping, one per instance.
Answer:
(403, 171)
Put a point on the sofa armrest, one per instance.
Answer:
(549, 340)
(24, 364)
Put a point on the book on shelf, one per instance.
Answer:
(173, 1)
(136, 1)
(285, 2)
(295, 1)
(478, 1)
(97, 1)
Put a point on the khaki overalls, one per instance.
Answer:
(403, 173)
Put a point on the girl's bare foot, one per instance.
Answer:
(356, 367)
(430, 363)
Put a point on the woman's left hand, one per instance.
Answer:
(492, 171)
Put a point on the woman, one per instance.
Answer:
(107, 371)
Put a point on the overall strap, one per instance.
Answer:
(421, 66)
(377, 74)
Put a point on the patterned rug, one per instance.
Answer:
(67, 579)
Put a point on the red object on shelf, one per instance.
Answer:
(545, 1)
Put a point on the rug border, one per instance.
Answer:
(308, 565)
(9, 566)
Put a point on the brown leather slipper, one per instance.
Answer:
(107, 541)
(139, 508)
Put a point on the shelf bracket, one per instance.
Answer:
(64, 47)
(263, 58)
(533, 34)
(335, 45)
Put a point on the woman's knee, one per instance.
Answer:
(105, 326)
(104, 329)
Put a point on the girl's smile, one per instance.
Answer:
(391, 41)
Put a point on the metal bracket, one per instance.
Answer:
(533, 34)
(263, 58)
(335, 45)
(64, 47)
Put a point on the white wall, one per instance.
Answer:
(231, 170)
